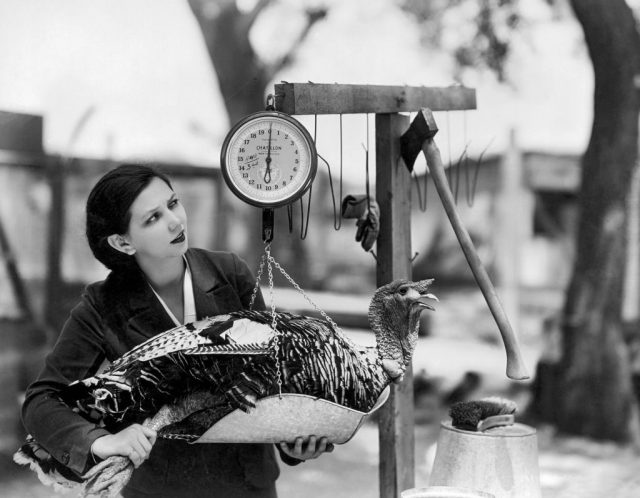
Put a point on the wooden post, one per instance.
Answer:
(631, 294)
(57, 173)
(20, 292)
(393, 193)
(510, 229)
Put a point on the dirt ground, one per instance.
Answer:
(569, 468)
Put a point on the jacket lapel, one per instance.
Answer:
(204, 282)
(212, 292)
(147, 317)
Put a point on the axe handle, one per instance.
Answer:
(516, 368)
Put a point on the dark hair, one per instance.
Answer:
(108, 209)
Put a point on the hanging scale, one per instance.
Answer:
(268, 160)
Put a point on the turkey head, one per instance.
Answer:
(394, 316)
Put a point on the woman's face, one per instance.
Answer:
(158, 226)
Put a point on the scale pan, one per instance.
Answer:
(274, 420)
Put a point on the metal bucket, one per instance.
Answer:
(444, 492)
(502, 461)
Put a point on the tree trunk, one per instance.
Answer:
(242, 84)
(594, 395)
(243, 80)
(241, 76)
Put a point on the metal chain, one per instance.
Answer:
(257, 286)
(335, 326)
(276, 338)
(276, 333)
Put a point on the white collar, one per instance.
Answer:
(188, 299)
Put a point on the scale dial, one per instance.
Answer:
(268, 159)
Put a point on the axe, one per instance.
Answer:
(419, 137)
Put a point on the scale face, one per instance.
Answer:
(268, 159)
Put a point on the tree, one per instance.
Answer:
(595, 394)
(484, 29)
(243, 79)
(591, 388)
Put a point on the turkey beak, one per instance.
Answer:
(424, 304)
(424, 297)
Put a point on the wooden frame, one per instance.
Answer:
(57, 169)
(393, 193)
(313, 98)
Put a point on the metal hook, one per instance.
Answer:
(304, 227)
(471, 192)
(337, 219)
(267, 225)
(290, 216)
(270, 103)
(367, 189)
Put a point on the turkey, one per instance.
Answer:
(189, 377)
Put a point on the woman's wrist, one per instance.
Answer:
(95, 449)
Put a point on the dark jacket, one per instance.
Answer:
(112, 317)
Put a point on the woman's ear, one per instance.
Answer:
(120, 243)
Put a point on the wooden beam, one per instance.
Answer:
(393, 193)
(75, 165)
(313, 98)
(19, 131)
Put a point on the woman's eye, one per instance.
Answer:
(152, 218)
(174, 203)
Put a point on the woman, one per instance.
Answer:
(137, 227)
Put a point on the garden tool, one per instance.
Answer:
(419, 137)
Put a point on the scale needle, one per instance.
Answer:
(267, 173)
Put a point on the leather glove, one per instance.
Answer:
(368, 214)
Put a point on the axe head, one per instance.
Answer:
(422, 128)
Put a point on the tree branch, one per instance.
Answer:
(251, 17)
(313, 16)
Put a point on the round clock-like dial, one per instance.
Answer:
(268, 159)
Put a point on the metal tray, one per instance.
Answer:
(276, 419)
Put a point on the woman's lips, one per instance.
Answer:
(179, 239)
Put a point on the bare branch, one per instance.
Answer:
(251, 17)
(313, 16)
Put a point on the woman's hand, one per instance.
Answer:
(313, 448)
(134, 442)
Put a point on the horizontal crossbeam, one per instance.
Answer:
(319, 98)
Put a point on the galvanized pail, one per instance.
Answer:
(502, 461)
(444, 492)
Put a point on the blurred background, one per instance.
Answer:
(544, 172)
